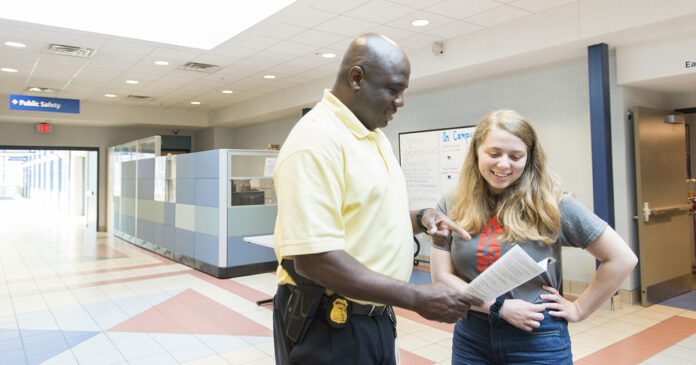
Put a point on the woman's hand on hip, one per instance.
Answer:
(522, 314)
(560, 306)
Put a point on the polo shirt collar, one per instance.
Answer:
(346, 116)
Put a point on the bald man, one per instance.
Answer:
(344, 233)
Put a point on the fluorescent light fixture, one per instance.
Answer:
(110, 95)
(196, 102)
(7, 69)
(420, 22)
(208, 22)
(132, 82)
(227, 91)
(328, 55)
(161, 63)
(269, 77)
(15, 44)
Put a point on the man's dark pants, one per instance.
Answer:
(364, 339)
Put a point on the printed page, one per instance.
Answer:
(511, 270)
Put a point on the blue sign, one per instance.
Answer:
(39, 104)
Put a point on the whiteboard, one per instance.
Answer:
(431, 161)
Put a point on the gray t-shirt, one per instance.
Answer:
(579, 228)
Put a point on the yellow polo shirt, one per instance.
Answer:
(340, 187)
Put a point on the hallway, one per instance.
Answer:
(67, 297)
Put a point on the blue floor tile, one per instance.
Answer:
(684, 301)
(420, 277)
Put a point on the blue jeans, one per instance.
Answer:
(478, 340)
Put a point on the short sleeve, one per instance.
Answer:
(443, 207)
(579, 226)
(309, 189)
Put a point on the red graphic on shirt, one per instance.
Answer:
(489, 245)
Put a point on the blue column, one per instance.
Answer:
(600, 125)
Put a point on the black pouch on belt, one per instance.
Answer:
(302, 305)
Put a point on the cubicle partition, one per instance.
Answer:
(196, 208)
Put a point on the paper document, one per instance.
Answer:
(511, 270)
(269, 166)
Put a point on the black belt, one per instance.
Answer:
(357, 308)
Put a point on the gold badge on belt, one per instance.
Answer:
(337, 313)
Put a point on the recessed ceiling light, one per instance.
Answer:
(161, 63)
(196, 102)
(205, 29)
(227, 91)
(420, 22)
(269, 77)
(328, 55)
(15, 44)
(132, 82)
(110, 95)
(7, 69)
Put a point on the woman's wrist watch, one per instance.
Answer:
(495, 308)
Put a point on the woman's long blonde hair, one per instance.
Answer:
(528, 208)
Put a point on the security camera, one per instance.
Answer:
(438, 48)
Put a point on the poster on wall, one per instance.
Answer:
(431, 161)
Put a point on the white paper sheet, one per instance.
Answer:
(269, 166)
(511, 270)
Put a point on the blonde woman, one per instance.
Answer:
(506, 197)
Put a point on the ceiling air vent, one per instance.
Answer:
(43, 90)
(74, 51)
(199, 67)
(138, 97)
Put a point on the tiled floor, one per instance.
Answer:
(67, 297)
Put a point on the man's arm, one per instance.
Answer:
(340, 272)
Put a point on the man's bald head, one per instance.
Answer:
(371, 79)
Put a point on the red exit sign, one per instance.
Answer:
(43, 128)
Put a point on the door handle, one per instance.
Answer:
(647, 211)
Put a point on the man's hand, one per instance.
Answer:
(440, 303)
(440, 227)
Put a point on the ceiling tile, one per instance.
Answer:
(336, 7)
(73, 38)
(292, 48)
(535, 6)
(217, 60)
(434, 19)
(247, 40)
(453, 30)
(250, 66)
(172, 54)
(462, 9)
(395, 34)
(380, 11)
(270, 58)
(308, 61)
(119, 46)
(499, 15)
(416, 4)
(302, 16)
(418, 41)
(274, 28)
(316, 38)
(19, 31)
(345, 26)
(11, 85)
